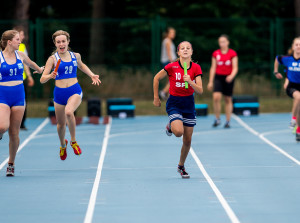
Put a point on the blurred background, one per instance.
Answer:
(121, 41)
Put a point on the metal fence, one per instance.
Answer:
(136, 43)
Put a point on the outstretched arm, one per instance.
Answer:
(85, 69)
(27, 61)
(276, 65)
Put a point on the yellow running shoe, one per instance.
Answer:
(76, 148)
(63, 151)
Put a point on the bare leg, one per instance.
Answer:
(177, 128)
(228, 107)
(296, 96)
(73, 103)
(294, 108)
(5, 118)
(187, 139)
(217, 96)
(16, 117)
(61, 122)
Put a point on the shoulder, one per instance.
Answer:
(232, 52)
(77, 55)
(169, 67)
(196, 67)
(216, 52)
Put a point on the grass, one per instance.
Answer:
(39, 108)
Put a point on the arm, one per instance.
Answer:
(212, 73)
(29, 77)
(277, 74)
(160, 75)
(196, 86)
(168, 48)
(84, 68)
(234, 71)
(46, 76)
(27, 61)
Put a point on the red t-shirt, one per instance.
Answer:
(224, 61)
(175, 72)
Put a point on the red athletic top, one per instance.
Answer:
(175, 72)
(224, 61)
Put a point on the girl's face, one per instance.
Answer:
(296, 46)
(185, 50)
(15, 42)
(223, 42)
(172, 33)
(61, 43)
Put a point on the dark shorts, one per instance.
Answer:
(12, 95)
(220, 85)
(291, 88)
(62, 95)
(183, 109)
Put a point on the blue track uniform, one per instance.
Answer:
(12, 95)
(66, 70)
(292, 68)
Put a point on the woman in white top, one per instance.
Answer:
(168, 55)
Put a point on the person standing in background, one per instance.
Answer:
(168, 55)
(28, 80)
(224, 68)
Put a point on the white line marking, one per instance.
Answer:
(38, 129)
(261, 136)
(220, 197)
(93, 197)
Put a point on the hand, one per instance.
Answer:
(40, 70)
(156, 102)
(52, 75)
(210, 86)
(30, 81)
(278, 76)
(95, 79)
(187, 78)
(229, 78)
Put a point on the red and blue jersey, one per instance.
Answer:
(224, 61)
(292, 67)
(175, 72)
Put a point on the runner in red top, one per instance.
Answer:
(180, 105)
(224, 67)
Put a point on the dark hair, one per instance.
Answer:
(7, 35)
(225, 36)
(166, 32)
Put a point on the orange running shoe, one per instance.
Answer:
(63, 151)
(76, 148)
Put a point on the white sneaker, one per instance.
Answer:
(10, 171)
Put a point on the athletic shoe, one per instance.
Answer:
(217, 122)
(295, 129)
(182, 172)
(163, 95)
(76, 148)
(297, 137)
(168, 129)
(63, 151)
(293, 123)
(10, 171)
(227, 125)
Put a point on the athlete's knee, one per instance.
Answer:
(177, 132)
(228, 100)
(69, 113)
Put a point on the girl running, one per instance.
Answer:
(224, 68)
(180, 105)
(67, 91)
(12, 94)
(292, 64)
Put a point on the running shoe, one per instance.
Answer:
(183, 173)
(163, 95)
(295, 129)
(217, 123)
(63, 151)
(168, 129)
(297, 137)
(76, 148)
(293, 124)
(10, 171)
(227, 125)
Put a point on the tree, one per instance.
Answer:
(96, 41)
(22, 15)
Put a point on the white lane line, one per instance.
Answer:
(33, 135)
(233, 218)
(262, 137)
(93, 197)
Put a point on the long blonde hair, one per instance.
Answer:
(290, 50)
(7, 35)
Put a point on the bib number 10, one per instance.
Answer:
(68, 70)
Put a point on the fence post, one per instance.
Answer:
(155, 42)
